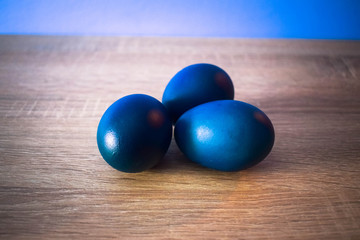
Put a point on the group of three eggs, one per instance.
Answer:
(211, 128)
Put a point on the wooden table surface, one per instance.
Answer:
(54, 183)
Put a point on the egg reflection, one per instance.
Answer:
(111, 140)
(204, 134)
(155, 118)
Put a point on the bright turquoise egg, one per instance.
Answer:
(134, 133)
(226, 135)
(195, 85)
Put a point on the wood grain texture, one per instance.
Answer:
(54, 183)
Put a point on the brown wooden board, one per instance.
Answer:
(54, 183)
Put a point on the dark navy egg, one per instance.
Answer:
(195, 85)
(134, 133)
(226, 135)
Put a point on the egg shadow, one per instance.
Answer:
(174, 160)
(273, 162)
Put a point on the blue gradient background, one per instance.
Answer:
(316, 19)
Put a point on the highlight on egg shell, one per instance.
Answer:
(225, 135)
(195, 85)
(134, 133)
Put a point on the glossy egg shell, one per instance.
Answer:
(134, 133)
(195, 85)
(226, 135)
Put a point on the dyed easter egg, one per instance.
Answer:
(195, 85)
(226, 135)
(134, 133)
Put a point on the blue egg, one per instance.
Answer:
(195, 85)
(226, 135)
(134, 133)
